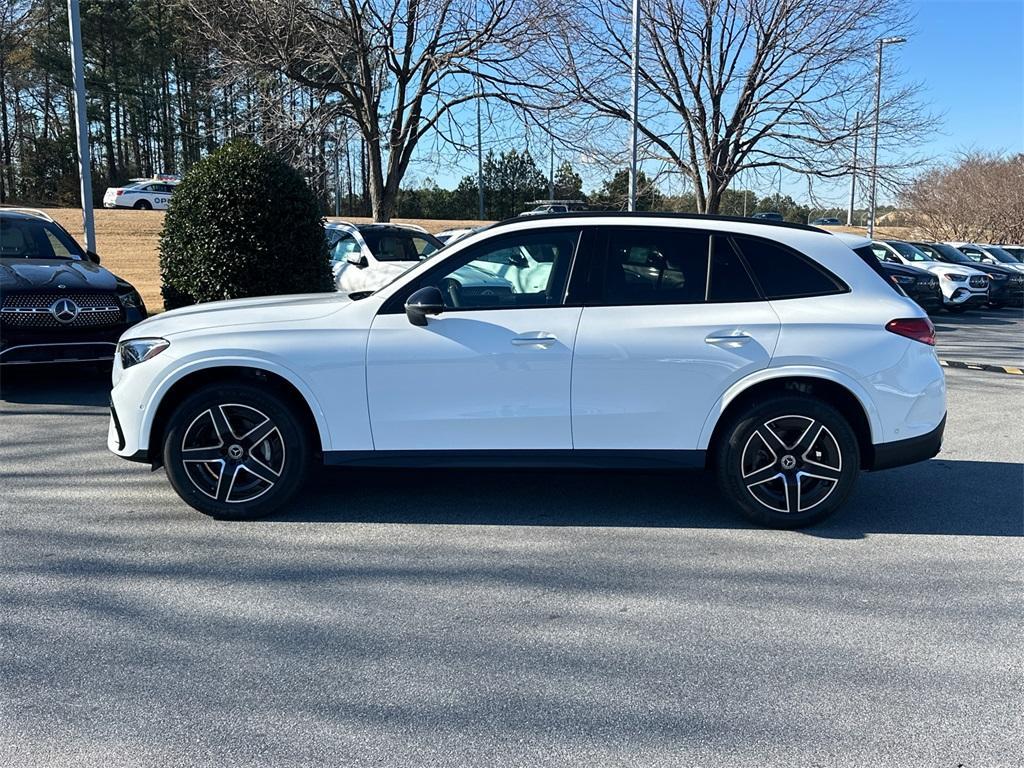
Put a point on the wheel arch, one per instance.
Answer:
(828, 386)
(178, 387)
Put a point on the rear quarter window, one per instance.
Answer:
(782, 273)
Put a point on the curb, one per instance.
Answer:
(1010, 369)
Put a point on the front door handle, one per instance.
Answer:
(534, 339)
(733, 340)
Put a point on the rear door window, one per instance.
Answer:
(653, 265)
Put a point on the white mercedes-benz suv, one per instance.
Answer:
(771, 354)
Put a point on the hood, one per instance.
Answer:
(54, 274)
(996, 269)
(221, 314)
(940, 267)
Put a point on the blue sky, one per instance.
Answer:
(966, 54)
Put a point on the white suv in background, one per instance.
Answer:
(962, 287)
(771, 354)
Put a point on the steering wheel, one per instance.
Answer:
(452, 292)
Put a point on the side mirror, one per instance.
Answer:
(357, 258)
(425, 301)
(93, 257)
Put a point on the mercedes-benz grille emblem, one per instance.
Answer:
(64, 310)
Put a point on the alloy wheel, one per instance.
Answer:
(791, 464)
(233, 453)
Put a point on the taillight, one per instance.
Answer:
(120, 192)
(916, 328)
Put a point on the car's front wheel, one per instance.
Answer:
(788, 462)
(235, 451)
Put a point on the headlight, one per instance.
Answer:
(904, 279)
(955, 278)
(996, 276)
(130, 299)
(136, 351)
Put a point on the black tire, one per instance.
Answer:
(263, 460)
(142, 205)
(996, 304)
(763, 488)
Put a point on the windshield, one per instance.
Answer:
(908, 252)
(943, 252)
(1001, 255)
(399, 245)
(36, 239)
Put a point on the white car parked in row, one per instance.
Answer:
(988, 254)
(142, 194)
(770, 353)
(962, 287)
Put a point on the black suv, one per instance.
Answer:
(56, 303)
(1006, 284)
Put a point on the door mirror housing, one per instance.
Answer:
(425, 301)
(357, 258)
(93, 257)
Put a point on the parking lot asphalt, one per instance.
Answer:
(506, 618)
(988, 336)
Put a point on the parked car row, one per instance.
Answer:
(951, 276)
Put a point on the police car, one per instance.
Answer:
(142, 194)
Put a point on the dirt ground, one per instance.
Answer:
(128, 242)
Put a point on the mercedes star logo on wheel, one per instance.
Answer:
(64, 310)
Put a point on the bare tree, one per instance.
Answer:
(729, 86)
(399, 69)
(980, 197)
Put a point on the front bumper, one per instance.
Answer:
(964, 297)
(1006, 292)
(909, 451)
(928, 299)
(25, 346)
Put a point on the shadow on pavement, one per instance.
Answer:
(937, 497)
(56, 384)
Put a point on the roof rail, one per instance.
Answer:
(33, 212)
(417, 227)
(661, 215)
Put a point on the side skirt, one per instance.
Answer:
(598, 459)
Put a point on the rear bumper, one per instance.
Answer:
(910, 451)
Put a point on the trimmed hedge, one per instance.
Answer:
(242, 223)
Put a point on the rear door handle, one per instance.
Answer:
(734, 339)
(535, 339)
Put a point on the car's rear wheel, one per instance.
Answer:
(788, 462)
(143, 205)
(236, 452)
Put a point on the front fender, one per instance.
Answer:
(186, 367)
(790, 372)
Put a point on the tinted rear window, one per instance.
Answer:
(650, 265)
(783, 273)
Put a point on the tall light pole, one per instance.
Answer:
(853, 172)
(81, 124)
(882, 42)
(479, 150)
(634, 107)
